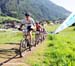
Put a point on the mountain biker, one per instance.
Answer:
(43, 31)
(38, 26)
(29, 24)
(43, 28)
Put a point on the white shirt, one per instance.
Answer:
(29, 22)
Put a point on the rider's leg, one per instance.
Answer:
(30, 35)
(29, 32)
(30, 39)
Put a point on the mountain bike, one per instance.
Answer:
(37, 37)
(25, 43)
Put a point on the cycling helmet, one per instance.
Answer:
(27, 14)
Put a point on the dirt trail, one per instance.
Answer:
(10, 59)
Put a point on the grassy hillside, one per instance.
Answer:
(39, 9)
(3, 18)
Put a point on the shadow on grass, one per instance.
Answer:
(12, 43)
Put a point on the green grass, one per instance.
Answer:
(62, 48)
(57, 50)
(10, 37)
(51, 27)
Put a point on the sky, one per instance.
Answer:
(67, 4)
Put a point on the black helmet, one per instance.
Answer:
(27, 14)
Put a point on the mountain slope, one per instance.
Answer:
(40, 9)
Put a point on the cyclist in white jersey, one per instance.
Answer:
(29, 24)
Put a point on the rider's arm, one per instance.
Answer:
(33, 22)
(34, 25)
(21, 24)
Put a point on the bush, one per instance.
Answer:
(73, 24)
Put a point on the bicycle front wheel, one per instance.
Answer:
(22, 47)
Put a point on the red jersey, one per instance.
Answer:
(38, 27)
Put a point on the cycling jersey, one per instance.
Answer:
(28, 23)
(38, 27)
